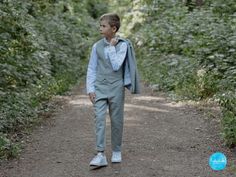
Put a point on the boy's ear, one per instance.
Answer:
(114, 29)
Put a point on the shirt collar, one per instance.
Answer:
(105, 41)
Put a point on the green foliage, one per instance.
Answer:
(221, 7)
(96, 8)
(44, 46)
(8, 149)
(228, 102)
(190, 52)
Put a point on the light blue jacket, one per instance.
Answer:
(130, 69)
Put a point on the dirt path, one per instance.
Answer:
(161, 138)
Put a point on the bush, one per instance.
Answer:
(191, 53)
(7, 148)
(43, 49)
(228, 103)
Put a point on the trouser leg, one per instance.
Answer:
(100, 107)
(116, 111)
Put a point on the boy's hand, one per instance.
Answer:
(114, 41)
(92, 97)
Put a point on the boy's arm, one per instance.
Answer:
(117, 57)
(91, 71)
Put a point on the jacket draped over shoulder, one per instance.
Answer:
(132, 82)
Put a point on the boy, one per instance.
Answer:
(106, 78)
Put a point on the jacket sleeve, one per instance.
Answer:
(132, 65)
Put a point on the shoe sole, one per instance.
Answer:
(94, 167)
(99, 165)
(116, 161)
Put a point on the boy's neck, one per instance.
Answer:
(109, 38)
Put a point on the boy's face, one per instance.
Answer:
(106, 30)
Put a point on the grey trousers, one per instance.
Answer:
(109, 96)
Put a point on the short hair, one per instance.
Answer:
(112, 18)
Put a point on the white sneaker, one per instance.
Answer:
(99, 160)
(116, 157)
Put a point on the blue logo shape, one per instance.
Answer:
(218, 161)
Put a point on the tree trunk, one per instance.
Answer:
(189, 4)
(199, 3)
(193, 4)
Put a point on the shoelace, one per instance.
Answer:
(98, 156)
(116, 155)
